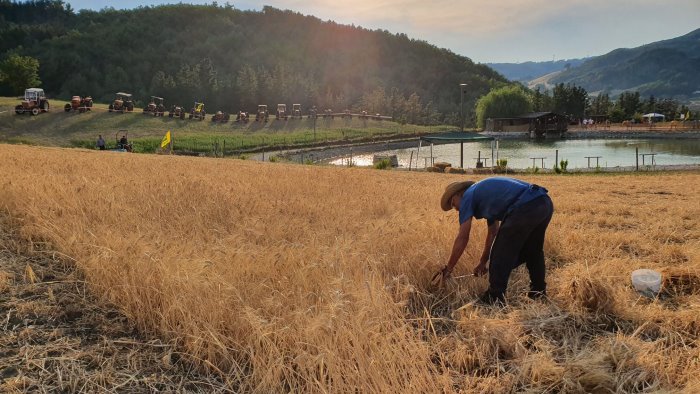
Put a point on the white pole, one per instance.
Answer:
(496, 151)
(420, 142)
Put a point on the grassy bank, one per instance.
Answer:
(315, 279)
(72, 129)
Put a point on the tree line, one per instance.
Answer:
(574, 102)
(234, 60)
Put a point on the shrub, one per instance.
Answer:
(501, 166)
(383, 164)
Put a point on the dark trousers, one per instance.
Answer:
(520, 240)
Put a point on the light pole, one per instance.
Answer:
(462, 87)
(313, 113)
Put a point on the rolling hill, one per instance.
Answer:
(666, 68)
(234, 59)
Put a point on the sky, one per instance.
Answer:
(495, 31)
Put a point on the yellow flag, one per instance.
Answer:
(166, 140)
(687, 115)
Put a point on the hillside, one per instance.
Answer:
(528, 71)
(665, 68)
(58, 128)
(235, 59)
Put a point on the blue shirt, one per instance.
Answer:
(494, 198)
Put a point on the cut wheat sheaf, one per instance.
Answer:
(314, 279)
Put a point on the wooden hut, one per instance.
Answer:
(536, 124)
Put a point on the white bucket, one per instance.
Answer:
(647, 282)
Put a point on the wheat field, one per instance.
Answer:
(291, 278)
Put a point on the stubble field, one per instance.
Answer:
(296, 278)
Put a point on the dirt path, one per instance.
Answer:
(56, 337)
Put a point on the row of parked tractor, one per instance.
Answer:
(35, 102)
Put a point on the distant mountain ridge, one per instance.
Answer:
(668, 68)
(527, 71)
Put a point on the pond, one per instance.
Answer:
(520, 153)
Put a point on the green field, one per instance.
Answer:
(58, 128)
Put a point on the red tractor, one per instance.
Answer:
(155, 107)
(123, 144)
(34, 102)
(122, 103)
(80, 104)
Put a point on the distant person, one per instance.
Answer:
(517, 215)
(123, 141)
(101, 142)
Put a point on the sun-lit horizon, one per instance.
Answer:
(505, 32)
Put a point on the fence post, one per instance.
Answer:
(636, 157)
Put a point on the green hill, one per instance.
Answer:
(665, 68)
(235, 60)
(58, 128)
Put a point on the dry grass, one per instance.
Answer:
(297, 278)
(55, 337)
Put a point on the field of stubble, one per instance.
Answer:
(281, 278)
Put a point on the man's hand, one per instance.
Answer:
(481, 269)
(441, 276)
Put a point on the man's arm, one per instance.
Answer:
(482, 268)
(458, 248)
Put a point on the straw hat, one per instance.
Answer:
(452, 189)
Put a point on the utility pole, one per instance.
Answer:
(462, 87)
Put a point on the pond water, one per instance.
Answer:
(519, 153)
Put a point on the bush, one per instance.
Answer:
(501, 165)
(383, 164)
